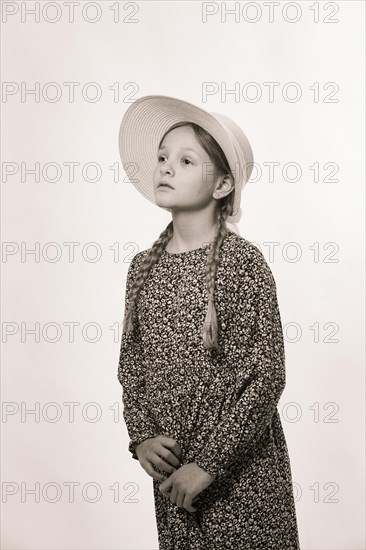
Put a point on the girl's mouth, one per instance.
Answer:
(164, 185)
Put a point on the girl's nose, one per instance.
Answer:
(166, 169)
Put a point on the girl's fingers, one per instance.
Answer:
(156, 475)
(187, 504)
(161, 463)
(173, 495)
(191, 509)
(153, 473)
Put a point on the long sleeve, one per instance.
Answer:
(260, 378)
(131, 375)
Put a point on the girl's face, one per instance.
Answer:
(186, 167)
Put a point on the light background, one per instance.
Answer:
(170, 51)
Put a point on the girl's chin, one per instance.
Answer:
(161, 201)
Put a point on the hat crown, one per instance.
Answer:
(240, 137)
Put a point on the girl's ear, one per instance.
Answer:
(224, 187)
(229, 181)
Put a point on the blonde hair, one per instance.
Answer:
(224, 209)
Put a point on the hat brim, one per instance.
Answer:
(145, 123)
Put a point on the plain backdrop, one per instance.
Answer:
(68, 480)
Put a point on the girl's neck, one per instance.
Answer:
(178, 243)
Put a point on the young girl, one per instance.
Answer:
(202, 360)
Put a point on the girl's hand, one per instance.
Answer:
(184, 485)
(162, 452)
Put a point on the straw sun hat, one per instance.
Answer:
(149, 117)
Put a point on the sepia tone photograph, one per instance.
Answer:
(183, 275)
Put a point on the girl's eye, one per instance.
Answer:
(161, 157)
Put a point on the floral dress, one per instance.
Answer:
(220, 406)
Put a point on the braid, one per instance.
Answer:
(210, 326)
(150, 259)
